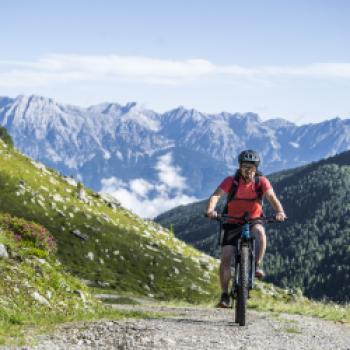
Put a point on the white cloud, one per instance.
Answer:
(71, 68)
(134, 195)
(141, 187)
(110, 184)
(169, 174)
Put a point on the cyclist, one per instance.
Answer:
(250, 188)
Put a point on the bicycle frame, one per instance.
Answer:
(244, 239)
(243, 279)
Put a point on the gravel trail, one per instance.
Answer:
(199, 328)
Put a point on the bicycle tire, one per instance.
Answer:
(242, 292)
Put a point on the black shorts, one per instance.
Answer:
(232, 232)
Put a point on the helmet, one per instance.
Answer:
(249, 156)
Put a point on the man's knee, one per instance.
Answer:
(225, 262)
(259, 230)
(226, 256)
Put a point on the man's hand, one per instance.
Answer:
(280, 216)
(212, 214)
(213, 200)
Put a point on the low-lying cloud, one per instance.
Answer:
(148, 199)
(72, 68)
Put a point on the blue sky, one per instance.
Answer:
(275, 58)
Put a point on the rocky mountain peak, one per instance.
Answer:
(129, 141)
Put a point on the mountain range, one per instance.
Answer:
(181, 154)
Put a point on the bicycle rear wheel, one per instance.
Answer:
(242, 291)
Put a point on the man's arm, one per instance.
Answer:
(213, 201)
(276, 204)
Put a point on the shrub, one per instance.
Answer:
(5, 136)
(30, 232)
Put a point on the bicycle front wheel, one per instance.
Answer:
(243, 281)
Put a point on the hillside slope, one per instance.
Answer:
(34, 285)
(100, 241)
(311, 249)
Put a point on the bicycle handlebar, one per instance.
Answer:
(244, 219)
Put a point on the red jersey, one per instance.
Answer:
(246, 190)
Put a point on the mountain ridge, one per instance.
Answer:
(108, 140)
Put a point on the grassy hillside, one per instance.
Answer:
(310, 250)
(36, 292)
(99, 241)
(34, 287)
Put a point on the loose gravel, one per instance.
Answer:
(199, 328)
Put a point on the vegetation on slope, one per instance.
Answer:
(6, 137)
(312, 251)
(35, 289)
(98, 240)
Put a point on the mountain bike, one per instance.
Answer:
(243, 278)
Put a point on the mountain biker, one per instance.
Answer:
(245, 200)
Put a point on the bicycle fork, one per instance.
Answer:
(252, 263)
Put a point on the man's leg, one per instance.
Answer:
(259, 231)
(225, 267)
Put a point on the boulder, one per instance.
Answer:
(90, 255)
(80, 235)
(39, 298)
(110, 200)
(3, 252)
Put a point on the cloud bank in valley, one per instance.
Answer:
(149, 199)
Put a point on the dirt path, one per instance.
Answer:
(199, 328)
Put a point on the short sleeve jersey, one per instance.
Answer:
(238, 207)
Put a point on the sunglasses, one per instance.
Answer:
(248, 167)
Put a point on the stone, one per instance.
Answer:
(3, 251)
(70, 181)
(82, 195)
(81, 295)
(53, 181)
(40, 166)
(105, 217)
(39, 298)
(90, 255)
(80, 235)
(57, 198)
(41, 261)
(109, 200)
